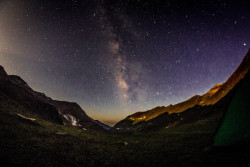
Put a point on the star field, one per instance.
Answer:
(118, 57)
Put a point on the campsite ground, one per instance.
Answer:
(46, 144)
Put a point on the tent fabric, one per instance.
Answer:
(235, 126)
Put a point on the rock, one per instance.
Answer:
(61, 133)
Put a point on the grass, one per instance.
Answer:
(40, 145)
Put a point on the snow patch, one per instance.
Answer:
(71, 118)
(24, 117)
(60, 112)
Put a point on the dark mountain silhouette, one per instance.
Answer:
(103, 125)
(59, 112)
(197, 107)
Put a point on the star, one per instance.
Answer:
(94, 49)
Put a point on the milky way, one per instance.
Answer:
(118, 57)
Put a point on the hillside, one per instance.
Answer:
(42, 143)
(213, 96)
(60, 112)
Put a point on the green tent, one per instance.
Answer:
(235, 126)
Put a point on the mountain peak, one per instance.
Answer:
(3, 73)
(59, 112)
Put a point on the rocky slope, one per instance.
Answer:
(59, 112)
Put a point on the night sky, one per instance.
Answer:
(117, 57)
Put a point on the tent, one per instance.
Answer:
(235, 126)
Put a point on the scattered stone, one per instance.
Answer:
(61, 133)
(206, 149)
(125, 143)
(171, 125)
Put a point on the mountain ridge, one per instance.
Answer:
(216, 93)
(59, 112)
